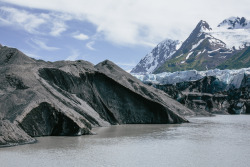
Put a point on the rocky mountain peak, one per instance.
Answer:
(167, 41)
(106, 63)
(13, 56)
(235, 23)
(203, 26)
(199, 32)
(108, 67)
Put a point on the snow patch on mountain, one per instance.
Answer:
(216, 50)
(196, 45)
(189, 55)
(178, 45)
(179, 56)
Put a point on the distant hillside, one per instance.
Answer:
(239, 60)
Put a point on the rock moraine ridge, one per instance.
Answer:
(39, 98)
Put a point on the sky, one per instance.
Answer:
(123, 31)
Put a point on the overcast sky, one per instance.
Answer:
(123, 31)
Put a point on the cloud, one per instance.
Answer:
(89, 45)
(42, 45)
(34, 23)
(74, 55)
(58, 28)
(20, 18)
(143, 22)
(81, 36)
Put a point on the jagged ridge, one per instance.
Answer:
(162, 52)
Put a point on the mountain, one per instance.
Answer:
(239, 60)
(39, 98)
(226, 46)
(235, 23)
(200, 51)
(234, 31)
(162, 52)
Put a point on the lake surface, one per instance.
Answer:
(222, 141)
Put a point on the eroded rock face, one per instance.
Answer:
(69, 98)
(211, 95)
(45, 120)
(205, 102)
(247, 104)
(11, 134)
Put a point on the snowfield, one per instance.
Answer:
(233, 38)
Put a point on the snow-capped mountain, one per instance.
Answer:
(162, 52)
(234, 31)
(200, 51)
(235, 23)
(226, 46)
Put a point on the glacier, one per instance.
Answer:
(234, 31)
(232, 78)
(233, 38)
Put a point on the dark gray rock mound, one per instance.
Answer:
(69, 98)
(45, 120)
(11, 134)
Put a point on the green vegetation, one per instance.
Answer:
(200, 61)
(194, 62)
(239, 60)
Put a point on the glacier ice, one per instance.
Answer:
(229, 77)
